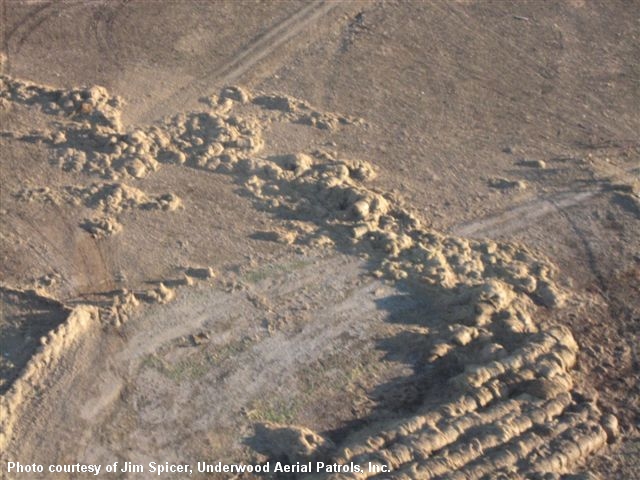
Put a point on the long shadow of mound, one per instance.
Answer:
(25, 318)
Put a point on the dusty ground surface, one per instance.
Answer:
(410, 236)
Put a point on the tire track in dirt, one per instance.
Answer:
(534, 211)
(91, 255)
(244, 60)
(101, 27)
(24, 23)
(88, 258)
(523, 215)
(15, 38)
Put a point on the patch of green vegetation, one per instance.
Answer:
(192, 367)
(220, 353)
(274, 270)
(198, 363)
(282, 411)
(338, 371)
(152, 361)
(320, 379)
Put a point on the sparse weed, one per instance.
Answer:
(283, 411)
(198, 363)
(274, 270)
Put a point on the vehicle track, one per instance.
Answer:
(101, 27)
(523, 215)
(252, 54)
(15, 38)
(88, 259)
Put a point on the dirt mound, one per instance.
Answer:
(38, 371)
(26, 316)
(502, 399)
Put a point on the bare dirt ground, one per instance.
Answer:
(404, 233)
